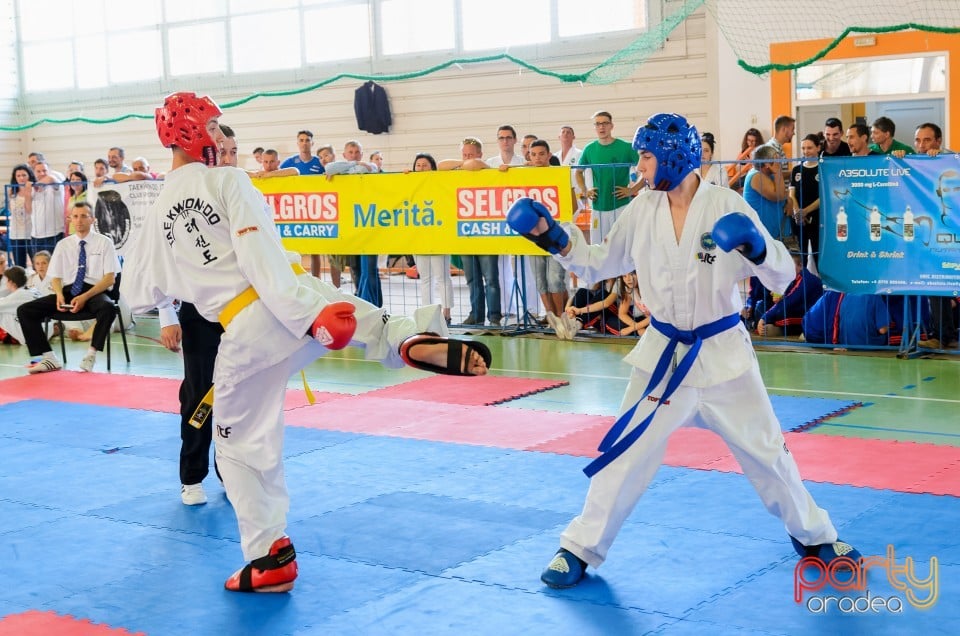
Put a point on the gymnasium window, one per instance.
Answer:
(65, 46)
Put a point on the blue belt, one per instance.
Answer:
(610, 446)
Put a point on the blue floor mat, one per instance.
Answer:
(402, 536)
(801, 413)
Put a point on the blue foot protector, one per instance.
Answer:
(828, 552)
(566, 570)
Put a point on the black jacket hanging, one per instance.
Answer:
(372, 108)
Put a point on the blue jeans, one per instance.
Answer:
(46, 243)
(21, 249)
(368, 281)
(483, 278)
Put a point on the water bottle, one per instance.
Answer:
(908, 227)
(875, 224)
(841, 224)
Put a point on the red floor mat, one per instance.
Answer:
(691, 447)
(497, 426)
(297, 398)
(124, 391)
(160, 394)
(870, 463)
(901, 466)
(369, 415)
(35, 623)
(473, 391)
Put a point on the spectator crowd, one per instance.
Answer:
(41, 201)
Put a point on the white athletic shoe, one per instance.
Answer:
(88, 361)
(192, 495)
(571, 326)
(555, 324)
(45, 365)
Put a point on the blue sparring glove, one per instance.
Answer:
(524, 216)
(735, 231)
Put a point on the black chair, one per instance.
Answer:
(114, 295)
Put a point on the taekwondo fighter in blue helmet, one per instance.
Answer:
(690, 243)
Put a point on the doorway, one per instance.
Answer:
(906, 114)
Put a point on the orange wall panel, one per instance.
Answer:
(901, 44)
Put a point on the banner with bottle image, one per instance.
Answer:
(891, 226)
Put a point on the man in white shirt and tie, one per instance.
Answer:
(82, 270)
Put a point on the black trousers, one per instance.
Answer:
(201, 340)
(943, 319)
(33, 313)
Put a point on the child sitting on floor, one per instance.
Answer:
(632, 317)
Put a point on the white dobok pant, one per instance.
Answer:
(248, 412)
(738, 410)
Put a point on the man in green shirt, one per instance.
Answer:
(882, 131)
(611, 190)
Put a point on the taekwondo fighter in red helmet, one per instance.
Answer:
(690, 243)
(208, 240)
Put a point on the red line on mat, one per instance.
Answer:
(902, 466)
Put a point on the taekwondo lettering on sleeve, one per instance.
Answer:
(186, 212)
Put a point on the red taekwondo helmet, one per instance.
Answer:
(182, 122)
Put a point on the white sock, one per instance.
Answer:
(91, 351)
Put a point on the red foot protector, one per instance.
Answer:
(34, 623)
(274, 572)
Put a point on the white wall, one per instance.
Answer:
(742, 99)
(11, 149)
(695, 74)
(431, 114)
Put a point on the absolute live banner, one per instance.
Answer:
(891, 226)
(456, 212)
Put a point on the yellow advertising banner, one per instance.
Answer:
(455, 212)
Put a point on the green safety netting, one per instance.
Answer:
(749, 26)
(615, 68)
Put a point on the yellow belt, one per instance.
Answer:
(234, 307)
(246, 297)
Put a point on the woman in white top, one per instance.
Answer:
(709, 171)
(436, 283)
(21, 213)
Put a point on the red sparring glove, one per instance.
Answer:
(335, 325)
